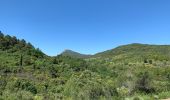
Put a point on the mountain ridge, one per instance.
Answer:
(72, 53)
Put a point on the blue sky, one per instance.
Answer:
(86, 26)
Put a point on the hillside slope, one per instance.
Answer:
(13, 49)
(26, 73)
(137, 52)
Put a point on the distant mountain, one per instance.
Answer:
(74, 54)
(137, 52)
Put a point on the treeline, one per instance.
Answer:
(12, 44)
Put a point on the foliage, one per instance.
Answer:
(134, 72)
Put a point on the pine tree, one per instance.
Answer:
(21, 63)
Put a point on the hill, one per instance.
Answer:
(137, 52)
(134, 72)
(74, 54)
(13, 49)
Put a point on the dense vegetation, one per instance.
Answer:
(132, 72)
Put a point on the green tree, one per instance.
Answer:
(144, 83)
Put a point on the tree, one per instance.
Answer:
(1, 35)
(143, 84)
(38, 53)
(22, 43)
(29, 45)
(21, 60)
(1, 39)
(145, 61)
(27, 61)
(55, 61)
(53, 72)
(150, 61)
(14, 40)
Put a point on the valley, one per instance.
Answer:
(129, 72)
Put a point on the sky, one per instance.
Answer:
(86, 26)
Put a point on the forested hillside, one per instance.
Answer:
(131, 72)
(138, 52)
